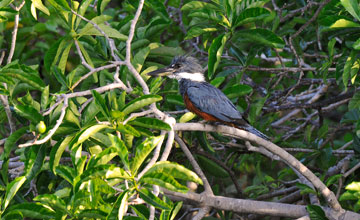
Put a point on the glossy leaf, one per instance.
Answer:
(140, 102)
(237, 91)
(90, 131)
(122, 150)
(66, 173)
(212, 167)
(188, 116)
(29, 78)
(352, 6)
(100, 101)
(11, 189)
(250, 15)
(33, 210)
(9, 145)
(197, 31)
(142, 151)
(316, 212)
(177, 171)
(152, 123)
(260, 36)
(215, 52)
(34, 161)
(29, 112)
(164, 180)
(347, 68)
(155, 201)
(53, 201)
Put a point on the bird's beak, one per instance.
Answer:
(162, 72)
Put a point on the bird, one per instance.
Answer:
(202, 98)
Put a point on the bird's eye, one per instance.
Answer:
(176, 65)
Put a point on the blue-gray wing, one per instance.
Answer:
(213, 101)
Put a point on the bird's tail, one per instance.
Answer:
(253, 130)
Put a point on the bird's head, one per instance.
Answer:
(182, 67)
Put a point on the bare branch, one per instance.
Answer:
(285, 156)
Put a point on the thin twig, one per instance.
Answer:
(53, 130)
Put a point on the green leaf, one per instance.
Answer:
(352, 6)
(85, 54)
(176, 170)
(197, 31)
(34, 161)
(57, 151)
(65, 172)
(316, 212)
(348, 196)
(211, 167)
(175, 99)
(354, 186)
(347, 67)
(140, 102)
(128, 129)
(89, 29)
(64, 57)
(103, 158)
(356, 45)
(152, 123)
(101, 4)
(53, 201)
(84, 5)
(203, 141)
(122, 150)
(188, 116)
(100, 102)
(45, 98)
(255, 109)
(175, 210)
(119, 205)
(60, 5)
(123, 205)
(59, 76)
(29, 113)
(104, 171)
(164, 180)
(9, 145)
(142, 151)
(305, 189)
(260, 36)
(237, 91)
(5, 3)
(11, 190)
(215, 52)
(90, 131)
(33, 210)
(193, 5)
(333, 179)
(52, 54)
(153, 200)
(250, 15)
(26, 77)
(39, 5)
(355, 101)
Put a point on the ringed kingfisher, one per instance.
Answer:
(202, 98)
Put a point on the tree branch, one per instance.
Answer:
(285, 156)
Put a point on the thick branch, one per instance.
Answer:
(256, 207)
(288, 158)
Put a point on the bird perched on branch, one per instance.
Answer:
(202, 98)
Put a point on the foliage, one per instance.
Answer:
(265, 57)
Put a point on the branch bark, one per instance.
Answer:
(273, 148)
